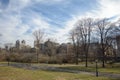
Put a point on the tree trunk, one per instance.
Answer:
(76, 60)
(86, 61)
(37, 56)
(76, 56)
(103, 58)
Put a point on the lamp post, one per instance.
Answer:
(96, 68)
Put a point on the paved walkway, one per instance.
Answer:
(51, 68)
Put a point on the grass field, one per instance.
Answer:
(10, 73)
(91, 67)
(115, 68)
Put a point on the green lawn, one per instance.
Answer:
(81, 68)
(10, 73)
(91, 67)
(109, 69)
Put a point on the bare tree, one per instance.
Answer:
(104, 27)
(116, 34)
(85, 28)
(80, 37)
(39, 37)
(76, 44)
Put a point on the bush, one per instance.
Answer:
(2, 57)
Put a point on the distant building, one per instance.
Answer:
(21, 47)
(23, 44)
(50, 47)
(17, 45)
(42, 48)
(94, 51)
(62, 49)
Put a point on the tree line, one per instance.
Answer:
(89, 30)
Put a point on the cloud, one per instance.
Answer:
(17, 6)
(48, 2)
(106, 8)
(103, 9)
(12, 26)
(20, 18)
(110, 8)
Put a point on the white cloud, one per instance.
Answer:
(106, 8)
(62, 34)
(18, 5)
(7, 25)
(110, 8)
(12, 28)
(48, 1)
(40, 23)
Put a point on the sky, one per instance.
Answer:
(20, 18)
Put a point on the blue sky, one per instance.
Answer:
(20, 18)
